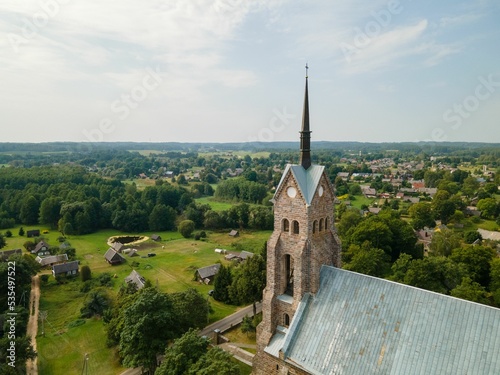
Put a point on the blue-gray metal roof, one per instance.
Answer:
(358, 324)
(307, 179)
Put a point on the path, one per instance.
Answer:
(31, 365)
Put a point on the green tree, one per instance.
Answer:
(96, 303)
(488, 207)
(222, 282)
(471, 291)
(29, 210)
(191, 309)
(250, 281)
(476, 260)
(162, 218)
(421, 215)
(183, 354)
(366, 260)
(50, 211)
(85, 273)
(215, 362)
(186, 228)
(443, 242)
(148, 323)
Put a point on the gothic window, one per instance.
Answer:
(320, 225)
(289, 274)
(315, 226)
(326, 223)
(286, 320)
(295, 227)
(286, 225)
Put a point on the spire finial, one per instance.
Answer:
(305, 133)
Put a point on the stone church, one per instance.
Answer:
(320, 319)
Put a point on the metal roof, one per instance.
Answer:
(358, 324)
(307, 179)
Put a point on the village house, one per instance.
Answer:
(41, 249)
(113, 257)
(66, 269)
(52, 259)
(207, 274)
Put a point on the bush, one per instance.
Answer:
(186, 228)
(85, 273)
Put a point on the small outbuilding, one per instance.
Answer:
(207, 274)
(136, 279)
(67, 269)
(33, 233)
(112, 257)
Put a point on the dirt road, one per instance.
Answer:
(31, 365)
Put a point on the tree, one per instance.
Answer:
(247, 325)
(215, 362)
(183, 354)
(96, 303)
(250, 281)
(186, 228)
(222, 282)
(162, 218)
(472, 236)
(476, 260)
(148, 323)
(471, 291)
(488, 207)
(444, 241)
(24, 351)
(421, 216)
(85, 273)
(50, 211)
(366, 260)
(191, 309)
(438, 274)
(29, 211)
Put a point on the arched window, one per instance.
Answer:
(295, 227)
(286, 320)
(320, 225)
(286, 225)
(289, 274)
(326, 223)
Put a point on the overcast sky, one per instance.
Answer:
(233, 70)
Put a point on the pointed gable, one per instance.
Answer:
(307, 180)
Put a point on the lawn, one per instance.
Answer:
(172, 269)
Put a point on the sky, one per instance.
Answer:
(234, 70)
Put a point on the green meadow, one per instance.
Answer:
(67, 337)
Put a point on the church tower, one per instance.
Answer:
(304, 239)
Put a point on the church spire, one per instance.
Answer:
(305, 133)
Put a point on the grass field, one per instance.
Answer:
(172, 269)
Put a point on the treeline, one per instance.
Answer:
(241, 189)
(384, 245)
(15, 287)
